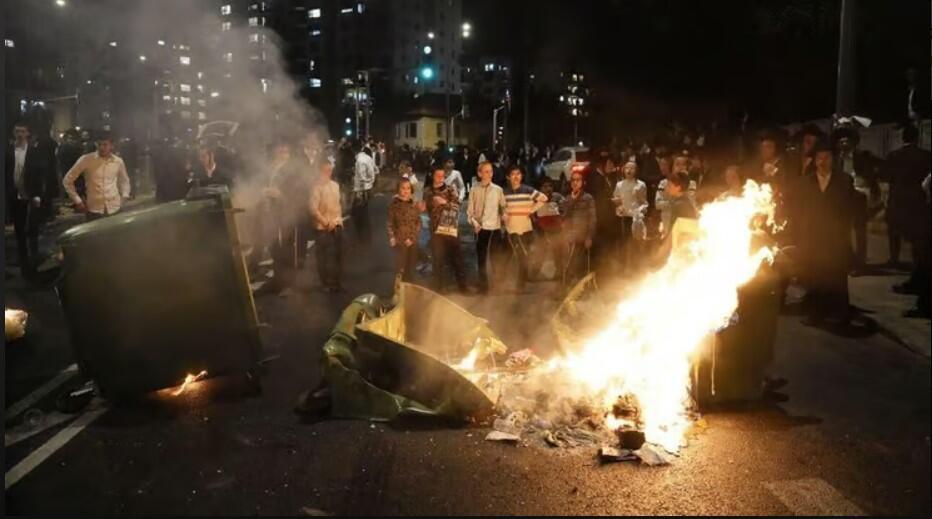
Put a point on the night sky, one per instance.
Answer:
(671, 58)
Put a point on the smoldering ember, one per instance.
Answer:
(439, 257)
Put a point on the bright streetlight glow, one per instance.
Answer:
(347, 120)
(427, 49)
(113, 44)
(161, 42)
(427, 73)
(430, 35)
(60, 3)
(142, 58)
(467, 27)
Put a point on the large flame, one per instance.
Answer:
(645, 351)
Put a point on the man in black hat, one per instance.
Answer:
(824, 201)
(804, 141)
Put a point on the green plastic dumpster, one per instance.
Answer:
(155, 294)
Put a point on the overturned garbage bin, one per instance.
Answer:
(153, 295)
(386, 360)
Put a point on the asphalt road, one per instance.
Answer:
(853, 436)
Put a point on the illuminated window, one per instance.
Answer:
(256, 21)
(265, 85)
(254, 38)
(225, 9)
(184, 60)
(346, 10)
(185, 101)
(228, 57)
(315, 32)
(200, 88)
(315, 82)
(201, 102)
(185, 87)
(225, 26)
(201, 116)
(166, 98)
(360, 8)
(9, 44)
(313, 13)
(311, 65)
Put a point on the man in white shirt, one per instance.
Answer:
(106, 180)
(454, 178)
(363, 181)
(324, 207)
(485, 211)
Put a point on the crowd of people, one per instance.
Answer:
(613, 216)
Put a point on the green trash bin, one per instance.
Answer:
(155, 294)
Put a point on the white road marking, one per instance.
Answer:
(812, 496)
(56, 442)
(62, 377)
(24, 430)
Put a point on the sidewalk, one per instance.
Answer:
(874, 294)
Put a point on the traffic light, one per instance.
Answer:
(427, 72)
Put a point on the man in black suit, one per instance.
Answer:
(908, 213)
(31, 186)
(825, 211)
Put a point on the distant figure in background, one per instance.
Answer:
(442, 204)
(579, 230)
(824, 202)
(69, 152)
(31, 186)
(805, 142)
(363, 182)
(485, 212)
(521, 201)
(630, 197)
(286, 194)
(404, 226)
(467, 162)
(325, 209)
(600, 183)
(549, 224)
(904, 170)
(106, 180)
(454, 178)
(172, 170)
(210, 173)
(865, 199)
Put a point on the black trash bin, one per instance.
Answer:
(155, 294)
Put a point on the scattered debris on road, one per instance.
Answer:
(499, 436)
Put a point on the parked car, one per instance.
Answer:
(565, 161)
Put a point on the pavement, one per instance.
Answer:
(849, 436)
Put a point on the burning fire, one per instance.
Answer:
(188, 379)
(644, 353)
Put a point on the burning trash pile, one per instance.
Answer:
(623, 382)
(626, 381)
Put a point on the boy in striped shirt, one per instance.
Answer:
(520, 202)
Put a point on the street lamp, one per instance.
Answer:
(142, 58)
(60, 3)
(427, 72)
(427, 50)
(430, 35)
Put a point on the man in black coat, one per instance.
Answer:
(904, 170)
(31, 186)
(825, 209)
(600, 183)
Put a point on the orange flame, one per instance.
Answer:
(188, 379)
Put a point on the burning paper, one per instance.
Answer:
(188, 380)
